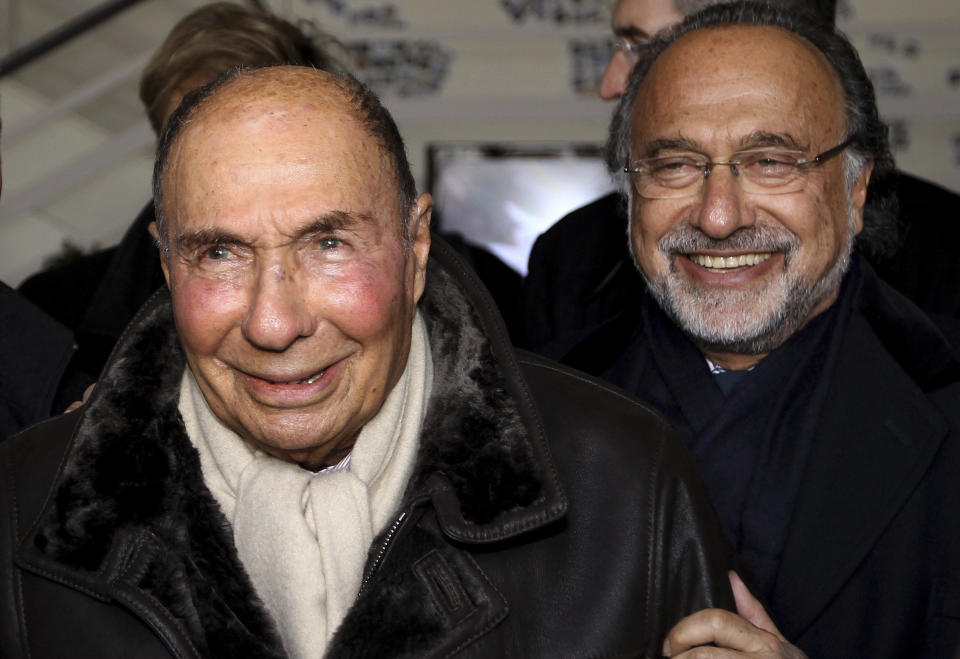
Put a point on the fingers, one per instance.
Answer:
(750, 608)
(750, 633)
(726, 630)
(79, 403)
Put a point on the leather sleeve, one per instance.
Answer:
(36, 452)
(633, 485)
(10, 637)
(690, 557)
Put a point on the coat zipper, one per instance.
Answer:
(375, 565)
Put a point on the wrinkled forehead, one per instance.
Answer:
(276, 105)
(769, 67)
(272, 126)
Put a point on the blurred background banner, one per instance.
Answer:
(481, 89)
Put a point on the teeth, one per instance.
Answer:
(313, 378)
(720, 263)
(310, 380)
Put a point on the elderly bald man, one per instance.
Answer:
(319, 442)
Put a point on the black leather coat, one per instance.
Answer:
(549, 515)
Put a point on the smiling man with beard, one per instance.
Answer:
(822, 407)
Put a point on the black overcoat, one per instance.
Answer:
(871, 565)
(549, 515)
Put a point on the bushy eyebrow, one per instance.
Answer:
(653, 148)
(332, 221)
(754, 140)
(190, 242)
(329, 222)
(760, 139)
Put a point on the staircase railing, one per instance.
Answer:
(55, 38)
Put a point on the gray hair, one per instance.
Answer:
(879, 237)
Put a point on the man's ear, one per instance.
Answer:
(858, 196)
(152, 228)
(419, 227)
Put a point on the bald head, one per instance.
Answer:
(280, 99)
(636, 22)
(711, 66)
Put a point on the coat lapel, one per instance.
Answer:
(193, 611)
(129, 518)
(878, 435)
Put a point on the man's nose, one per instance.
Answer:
(614, 80)
(279, 311)
(722, 211)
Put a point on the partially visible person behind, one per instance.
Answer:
(96, 295)
(580, 272)
(35, 351)
(822, 406)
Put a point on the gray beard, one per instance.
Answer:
(746, 322)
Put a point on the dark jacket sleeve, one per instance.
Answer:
(634, 491)
(691, 557)
(34, 353)
(28, 463)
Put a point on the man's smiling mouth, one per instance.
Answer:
(724, 263)
(286, 379)
(313, 378)
(307, 380)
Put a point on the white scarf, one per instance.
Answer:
(304, 537)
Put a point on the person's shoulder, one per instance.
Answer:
(38, 448)
(919, 194)
(64, 291)
(928, 342)
(29, 461)
(601, 436)
(574, 400)
(587, 220)
(925, 346)
(35, 351)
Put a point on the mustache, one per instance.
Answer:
(687, 238)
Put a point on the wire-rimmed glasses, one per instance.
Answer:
(766, 171)
(631, 49)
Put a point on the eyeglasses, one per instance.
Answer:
(631, 49)
(759, 171)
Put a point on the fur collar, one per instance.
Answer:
(130, 468)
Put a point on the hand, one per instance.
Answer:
(79, 403)
(749, 634)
